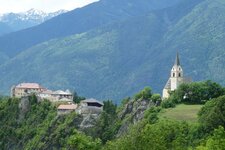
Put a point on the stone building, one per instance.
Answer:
(176, 78)
(90, 106)
(24, 89)
(66, 109)
(56, 96)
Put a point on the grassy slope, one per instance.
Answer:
(182, 112)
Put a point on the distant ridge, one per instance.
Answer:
(78, 21)
(23, 20)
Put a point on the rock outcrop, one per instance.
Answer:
(24, 107)
(132, 113)
(88, 121)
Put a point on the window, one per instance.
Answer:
(179, 75)
(173, 74)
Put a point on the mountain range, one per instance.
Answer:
(112, 48)
(18, 21)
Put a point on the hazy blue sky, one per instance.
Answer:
(45, 5)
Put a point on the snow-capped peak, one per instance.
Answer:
(33, 11)
(28, 18)
(32, 14)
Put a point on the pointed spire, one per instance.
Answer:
(177, 60)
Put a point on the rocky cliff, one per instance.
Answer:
(132, 113)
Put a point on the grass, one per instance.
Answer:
(182, 112)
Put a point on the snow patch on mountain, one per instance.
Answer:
(32, 14)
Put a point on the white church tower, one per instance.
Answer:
(176, 78)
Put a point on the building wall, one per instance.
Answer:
(20, 92)
(64, 112)
(89, 110)
(165, 93)
(175, 83)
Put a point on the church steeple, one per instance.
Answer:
(176, 71)
(176, 78)
(177, 60)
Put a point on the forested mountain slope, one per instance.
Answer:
(114, 60)
(78, 21)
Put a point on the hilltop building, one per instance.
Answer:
(85, 107)
(24, 89)
(176, 78)
(66, 109)
(90, 106)
(56, 96)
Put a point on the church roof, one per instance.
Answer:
(177, 60)
(168, 84)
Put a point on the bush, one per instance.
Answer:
(146, 93)
(162, 135)
(197, 92)
(152, 115)
(156, 98)
(212, 114)
(168, 104)
(216, 141)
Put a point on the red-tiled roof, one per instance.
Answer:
(68, 107)
(29, 86)
(46, 92)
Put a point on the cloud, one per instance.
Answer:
(45, 5)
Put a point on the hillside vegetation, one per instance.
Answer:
(135, 124)
(4, 28)
(79, 21)
(182, 112)
(115, 59)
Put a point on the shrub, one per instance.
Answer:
(167, 104)
(212, 113)
(146, 93)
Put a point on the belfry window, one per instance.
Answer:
(173, 74)
(179, 75)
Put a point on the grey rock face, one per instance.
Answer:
(24, 107)
(133, 113)
(88, 121)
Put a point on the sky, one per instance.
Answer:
(44, 5)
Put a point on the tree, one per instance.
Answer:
(216, 141)
(164, 134)
(109, 107)
(108, 122)
(151, 115)
(146, 93)
(212, 114)
(77, 98)
(197, 92)
(168, 103)
(80, 141)
(156, 98)
(33, 99)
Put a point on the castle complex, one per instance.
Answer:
(176, 78)
(26, 89)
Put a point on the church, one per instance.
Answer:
(176, 78)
